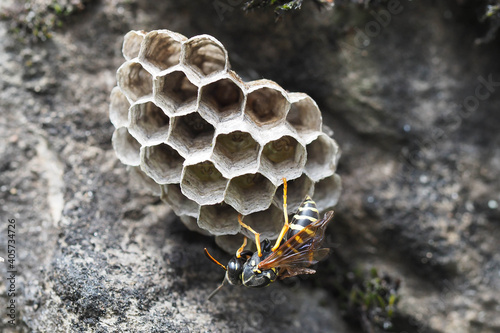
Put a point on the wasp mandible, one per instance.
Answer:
(298, 246)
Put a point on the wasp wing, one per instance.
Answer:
(292, 271)
(300, 251)
(300, 264)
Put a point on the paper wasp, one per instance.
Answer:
(298, 246)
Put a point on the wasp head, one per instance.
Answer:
(234, 270)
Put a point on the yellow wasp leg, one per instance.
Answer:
(238, 253)
(286, 225)
(256, 234)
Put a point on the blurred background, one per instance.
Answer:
(411, 90)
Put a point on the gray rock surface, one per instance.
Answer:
(410, 106)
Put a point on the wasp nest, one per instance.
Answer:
(217, 146)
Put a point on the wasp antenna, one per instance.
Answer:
(217, 290)
(213, 259)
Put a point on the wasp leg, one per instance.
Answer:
(256, 234)
(238, 253)
(286, 225)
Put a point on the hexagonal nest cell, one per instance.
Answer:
(223, 99)
(218, 146)
(118, 108)
(126, 147)
(281, 150)
(181, 205)
(162, 163)
(285, 155)
(190, 134)
(134, 80)
(162, 49)
(297, 190)
(236, 151)
(327, 192)
(268, 223)
(304, 114)
(203, 183)
(250, 193)
(148, 123)
(192, 224)
(132, 44)
(175, 93)
(322, 157)
(220, 219)
(205, 55)
(229, 243)
(266, 106)
(143, 182)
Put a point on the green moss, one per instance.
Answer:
(35, 20)
(492, 18)
(375, 296)
(366, 298)
(492, 10)
(281, 6)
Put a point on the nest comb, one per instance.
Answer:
(217, 146)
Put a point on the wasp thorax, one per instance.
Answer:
(253, 277)
(217, 146)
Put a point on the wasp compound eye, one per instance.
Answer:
(234, 270)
